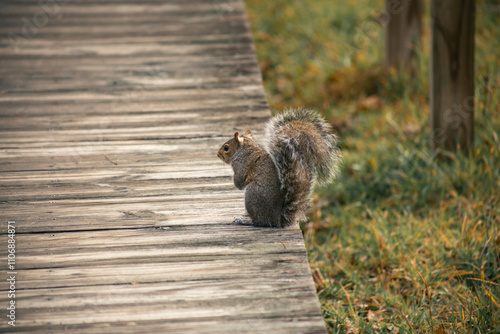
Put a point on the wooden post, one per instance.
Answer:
(452, 74)
(403, 32)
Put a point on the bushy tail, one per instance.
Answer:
(305, 152)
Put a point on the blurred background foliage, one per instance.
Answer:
(402, 242)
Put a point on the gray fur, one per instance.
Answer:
(303, 157)
(279, 178)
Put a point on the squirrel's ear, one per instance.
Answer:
(237, 137)
(248, 133)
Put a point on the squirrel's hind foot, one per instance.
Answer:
(245, 220)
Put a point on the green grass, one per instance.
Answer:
(402, 242)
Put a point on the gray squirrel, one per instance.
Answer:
(279, 178)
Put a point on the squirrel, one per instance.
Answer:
(279, 177)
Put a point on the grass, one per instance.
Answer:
(403, 242)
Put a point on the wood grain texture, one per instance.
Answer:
(403, 33)
(111, 115)
(452, 74)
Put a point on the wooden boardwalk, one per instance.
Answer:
(111, 114)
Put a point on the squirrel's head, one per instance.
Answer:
(233, 145)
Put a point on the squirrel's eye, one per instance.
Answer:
(226, 148)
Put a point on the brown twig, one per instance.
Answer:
(114, 163)
(127, 213)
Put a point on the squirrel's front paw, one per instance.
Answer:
(242, 221)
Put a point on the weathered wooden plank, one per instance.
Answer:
(122, 99)
(224, 108)
(161, 247)
(215, 78)
(87, 246)
(125, 126)
(123, 188)
(148, 63)
(116, 213)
